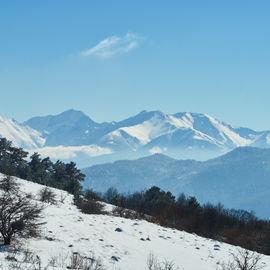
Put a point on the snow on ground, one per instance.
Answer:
(121, 244)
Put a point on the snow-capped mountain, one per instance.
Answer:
(20, 135)
(181, 135)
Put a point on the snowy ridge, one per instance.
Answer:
(182, 135)
(161, 124)
(21, 136)
(225, 132)
(67, 231)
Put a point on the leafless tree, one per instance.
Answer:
(18, 215)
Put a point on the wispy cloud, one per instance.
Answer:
(67, 152)
(113, 45)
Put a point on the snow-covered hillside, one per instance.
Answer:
(120, 243)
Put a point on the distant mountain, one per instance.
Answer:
(239, 179)
(69, 128)
(72, 135)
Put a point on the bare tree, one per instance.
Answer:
(18, 215)
(244, 260)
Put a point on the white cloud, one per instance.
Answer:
(114, 45)
(67, 152)
(157, 150)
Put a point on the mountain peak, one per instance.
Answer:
(64, 128)
(143, 111)
(73, 112)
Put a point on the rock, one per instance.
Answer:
(114, 258)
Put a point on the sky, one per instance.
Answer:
(113, 59)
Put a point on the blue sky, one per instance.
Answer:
(112, 59)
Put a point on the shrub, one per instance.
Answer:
(8, 184)
(47, 195)
(244, 260)
(154, 264)
(18, 216)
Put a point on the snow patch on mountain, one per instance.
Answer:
(185, 122)
(225, 133)
(21, 136)
(148, 130)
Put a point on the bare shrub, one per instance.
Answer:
(62, 197)
(28, 260)
(244, 260)
(118, 211)
(84, 263)
(18, 215)
(125, 213)
(154, 264)
(28, 255)
(47, 195)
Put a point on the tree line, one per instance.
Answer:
(65, 176)
(236, 227)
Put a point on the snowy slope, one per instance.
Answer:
(72, 231)
(21, 136)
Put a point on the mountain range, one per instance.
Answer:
(72, 135)
(239, 179)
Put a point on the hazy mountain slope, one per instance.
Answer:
(239, 179)
(127, 175)
(67, 231)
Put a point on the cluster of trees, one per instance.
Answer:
(237, 227)
(13, 161)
